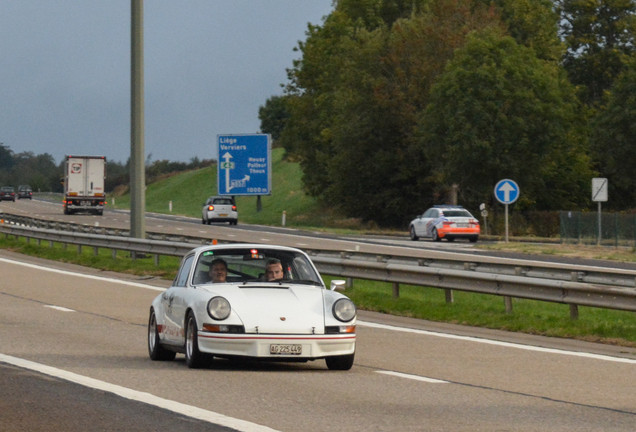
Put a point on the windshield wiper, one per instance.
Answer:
(306, 282)
(284, 282)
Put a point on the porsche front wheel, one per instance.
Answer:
(194, 358)
(155, 350)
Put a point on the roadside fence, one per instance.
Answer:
(509, 278)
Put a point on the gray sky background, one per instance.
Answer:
(209, 65)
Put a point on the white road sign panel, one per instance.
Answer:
(599, 189)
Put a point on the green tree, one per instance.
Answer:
(499, 112)
(378, 172)
(600, 37)
(378, 13)
(38, 171)
(613, 140)
(6, 157)
(311, 99)
(532, 23)
(273, 116)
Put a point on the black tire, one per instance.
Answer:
(412, 234)
(208, 222)
(155, 350)
(343, 362)
(473, 239)
(450, 239)
(203, 221)
(234, 223)
(435, 236)
(194, 358)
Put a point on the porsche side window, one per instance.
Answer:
(182, 277)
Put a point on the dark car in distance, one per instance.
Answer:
(7, 193)
(25, 191)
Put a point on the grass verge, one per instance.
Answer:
(479, 310)
(621, 253)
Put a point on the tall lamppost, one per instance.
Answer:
(137, 168)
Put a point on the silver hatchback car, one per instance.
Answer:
(219, 209)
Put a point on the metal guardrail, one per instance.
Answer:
(536, 284)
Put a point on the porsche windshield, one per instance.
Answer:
(256, 265)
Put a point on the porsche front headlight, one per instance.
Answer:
(219, 308)
(344, 310)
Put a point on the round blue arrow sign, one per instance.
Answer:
(506, 191)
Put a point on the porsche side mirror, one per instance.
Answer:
(338, 285)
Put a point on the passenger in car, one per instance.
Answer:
(273, 270)
(218, 270)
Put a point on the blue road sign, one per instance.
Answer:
(244, 166)
(506, 191)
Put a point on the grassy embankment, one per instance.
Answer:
(188, 191)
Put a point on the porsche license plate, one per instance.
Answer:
(285, 349)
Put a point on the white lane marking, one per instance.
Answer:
(177, 407)
(301, 244)
(265, 240)
(159, 226)
(498, 343)
(179, 229)
(231, 235)
(60, 308)
(100, 278)
(413, 377)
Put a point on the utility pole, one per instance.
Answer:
(137, 150)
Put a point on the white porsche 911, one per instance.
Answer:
(252, 301)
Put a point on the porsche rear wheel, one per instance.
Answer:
(414, 236)
(155, 350)
(194, 358)
(435, 235)
(343, 362)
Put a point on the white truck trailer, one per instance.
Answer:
(84, 184)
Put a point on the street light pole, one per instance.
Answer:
(137, 168)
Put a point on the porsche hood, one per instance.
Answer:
(278, 309)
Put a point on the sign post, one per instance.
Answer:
(484, 213)
(245, 165)
(599, 194)
(506, 192)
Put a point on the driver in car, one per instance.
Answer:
(273, 270)
(218, 270)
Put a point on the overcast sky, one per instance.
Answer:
(209, 65)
